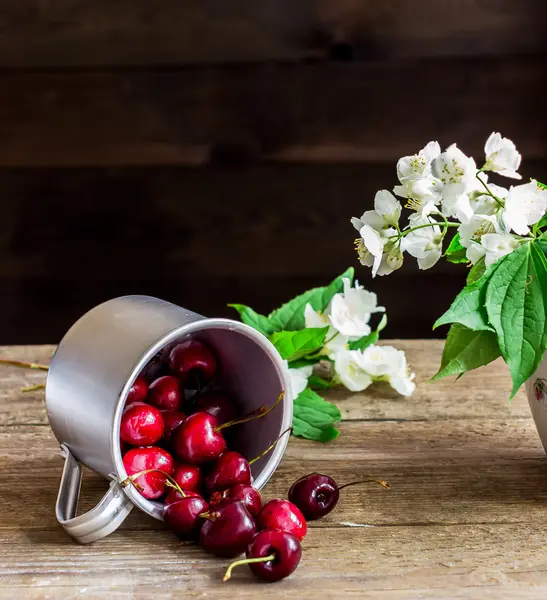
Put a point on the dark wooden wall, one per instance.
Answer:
(211, 152)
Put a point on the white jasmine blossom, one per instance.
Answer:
(525, 205)
(458, 207)
(478, 226)
(334, 340)
(350, 312)
(349, 371)
(455, 170)
(502, 156)
(483, 203)
(299, 378)
(492, 246)
(425, 243)
(389, 364)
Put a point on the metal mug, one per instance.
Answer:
(90, 376)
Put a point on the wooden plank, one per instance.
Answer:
(72, 33)
(480, 394)
(311, 112)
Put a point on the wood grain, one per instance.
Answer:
(74, 33)
(282, 112)
(463, 518)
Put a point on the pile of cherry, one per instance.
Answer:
(174, 449)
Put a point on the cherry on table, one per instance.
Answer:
(271, 556)
(283, 515)
(182, 516)
(156, 460)
(247, 494)
(227, 530)
(317, 494)
(229, 469)
(138, 391)
(171, 419)
(165, 393)
(193, 362)
(141, 424)
(218, 405)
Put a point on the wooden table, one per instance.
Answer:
(465, 517)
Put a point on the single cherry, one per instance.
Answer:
(182, 517)
(141, 424)
(188, 477)
(194, 362)
(271, 556)
(247, 494)
(197, 440)
(165, 393)
(229, 469)
(228, 530)
(138, 391)
(317, 494)
(171, 420)
(218, 405)
(282, 515)
(175, 495)
(151, 484)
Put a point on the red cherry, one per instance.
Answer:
(183, 516)
(165, 393)
(194, 362)
(141, 424)
(171, 420)
(229, 469)
(218, 405)
(150, 485)
(138, 391)
(196, 441)
(283, 515)
(247, 494)
(227, 530)
(188, 477)
(271, 556)
(175, 496)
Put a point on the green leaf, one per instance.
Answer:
(465, 350)
(314, 418)
(456, 253)
(541, 185)
(315, 381)
(290, 316)
(516, 309)
(304, 362)
(476, 271)
(296, 344)
(371, 338)
(468, 307)
(253, 319)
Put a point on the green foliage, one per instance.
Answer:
(369, 339)
(253, 319)
(456, 253)
(314, 418)
(293, 345)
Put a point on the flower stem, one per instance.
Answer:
(23, 365)
(432, 224)
(498, 201)
(247, 561)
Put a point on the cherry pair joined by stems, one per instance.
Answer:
(317, 494)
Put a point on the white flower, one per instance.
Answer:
(299, 378)
(347, 365)
(477, 226)
(455, 170)
(334, 340)
(483, 203)
(386, 213)
(502, 156)
(492, 246)
(370, 248)
(525, 205)
(349, 312)
(458, 207)
(389, 364)
(417, 180)
(425, 243)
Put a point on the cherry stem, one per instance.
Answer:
(170, 481)
(381, 482)
(270, 447)
(23, 365)
(246, 561)
(255, 415)
(33, 388)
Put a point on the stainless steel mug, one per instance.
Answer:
(91, 374)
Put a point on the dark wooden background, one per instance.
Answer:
(210, 151)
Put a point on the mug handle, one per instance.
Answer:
(98, 522)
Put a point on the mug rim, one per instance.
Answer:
(149, 506)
